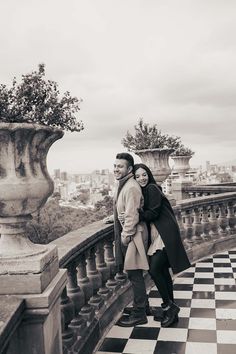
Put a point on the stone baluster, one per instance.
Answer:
(188, 225)
(205, 223)
(67, 315)
(104, 270)
(112, 283)
(197, 225)
(87, 311)
(223, 221)
(179, 217)
(198, 194)
(191, 195)
(78, 323)
(95, 278)
(231, 217)
(214, 226)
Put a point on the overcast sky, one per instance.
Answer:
(171, 62)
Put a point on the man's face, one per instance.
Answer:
(121, 168)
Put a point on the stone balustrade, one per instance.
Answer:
(203, 190)
(96, 293)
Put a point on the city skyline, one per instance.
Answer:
(171, 63)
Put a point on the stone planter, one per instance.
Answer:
(25, 183)
(158, 162)
(181, 164)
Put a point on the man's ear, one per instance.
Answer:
(130, 169)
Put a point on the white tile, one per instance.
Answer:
(119, 332)
(179, 294)
(155, 301)
(223, 270)
(226, 337)
(173, 334)
(204, 275)
(184, 280)
(107, 353)
(190, 270)
(224, 281)
(204, 287)
(225, 295)
(203, 303)
(232, 256)
(203, 348)
(221, 260)
(204, 265)
(140, 346)
(184, 312)
(202, 323)
(226, 314)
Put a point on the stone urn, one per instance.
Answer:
(181, 164)
(25, 184)
(158, 162)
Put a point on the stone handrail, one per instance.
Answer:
(11, 314)
(203, 190)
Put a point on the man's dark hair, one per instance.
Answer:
(126, 156)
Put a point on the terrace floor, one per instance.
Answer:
(206, 294)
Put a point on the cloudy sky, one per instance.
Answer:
(171, 62)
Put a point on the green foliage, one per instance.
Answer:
(37, 100)
(149, 137)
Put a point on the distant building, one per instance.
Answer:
(57, 173)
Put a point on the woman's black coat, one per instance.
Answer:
(157, 209)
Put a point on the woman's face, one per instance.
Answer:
(141, 177)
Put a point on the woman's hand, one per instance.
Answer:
(109, 219)
(121, 218)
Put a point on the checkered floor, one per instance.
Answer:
(206, 294)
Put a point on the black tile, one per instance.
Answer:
(221, 256)
(224, 265)
(183, 287)
(204, 269)
(223, 275)
(154, 294)
(225, 288)
(228, 325)
(163, 347)
(203, 313)
(183, 302)
(203, 295)
(226, 348)
(232, 252)
(186, 275)
(234, 269)
(145, 333)
(200, 335)
(203, 281)
(225, 304)
(207, 260)
(113, 345)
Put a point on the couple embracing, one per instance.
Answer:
(147, 237)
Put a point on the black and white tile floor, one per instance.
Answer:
(206, 294)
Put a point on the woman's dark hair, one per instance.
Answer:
(151, 179)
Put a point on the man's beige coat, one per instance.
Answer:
(130, 199)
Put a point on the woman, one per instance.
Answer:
(166, 249)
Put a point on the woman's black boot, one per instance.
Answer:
(171, 315)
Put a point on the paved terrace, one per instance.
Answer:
(206, 294)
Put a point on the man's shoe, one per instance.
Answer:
(171, 315)
(132, 320)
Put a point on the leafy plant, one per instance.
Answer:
(37, 100)
(149, 137)
(182, 151)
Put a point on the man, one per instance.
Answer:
(131, 236)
